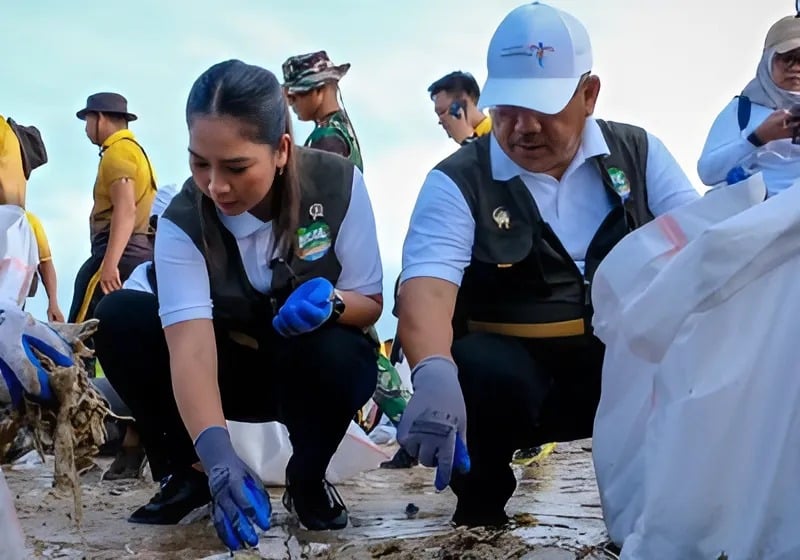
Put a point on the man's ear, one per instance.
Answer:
(591, 89)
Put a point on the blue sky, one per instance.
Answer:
(668, 66)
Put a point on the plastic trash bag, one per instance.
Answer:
(707, 346)
(627, 385)
(266, 449)
(19, 255)
(12, 542)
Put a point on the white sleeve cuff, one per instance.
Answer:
(174, 317)
(442, 271)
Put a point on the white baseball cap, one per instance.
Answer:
(163, 197)
(536, 59)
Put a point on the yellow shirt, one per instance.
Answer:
(484, 127)
(122, 158)
(12, 176)
(41, 237)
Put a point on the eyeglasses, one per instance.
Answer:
(789, 58)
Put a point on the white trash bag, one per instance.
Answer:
(12, 542)
(720, 452)
(19, 255)
(627, 385)
(265, 448)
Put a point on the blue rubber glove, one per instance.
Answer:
(238, 498)
(307, 308)
(21, 370)
(433, 427)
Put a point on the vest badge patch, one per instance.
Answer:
(313, 241)
(620, 182)
(316, 211)
(501, 218)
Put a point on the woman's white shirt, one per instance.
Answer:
(184, 291)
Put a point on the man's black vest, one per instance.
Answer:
(326, 184)
(521, 281)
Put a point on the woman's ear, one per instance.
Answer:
(284, 150)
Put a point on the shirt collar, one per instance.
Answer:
(593, 143)
(243, 225)
(118, 135)
(484, 127)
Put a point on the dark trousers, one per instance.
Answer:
(87, 293)
(313, 383)
(520, 393)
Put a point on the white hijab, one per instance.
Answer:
(763, 89)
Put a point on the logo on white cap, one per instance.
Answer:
(536, 59)
(529, 50)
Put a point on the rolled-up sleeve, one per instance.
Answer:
(440, 234)
(184, 290)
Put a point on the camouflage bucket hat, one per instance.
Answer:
(306, 72)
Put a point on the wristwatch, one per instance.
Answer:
(755, 140)
(338, 306)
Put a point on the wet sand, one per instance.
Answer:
(556, 508)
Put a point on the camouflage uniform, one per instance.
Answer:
(301, 74)
(307, 72)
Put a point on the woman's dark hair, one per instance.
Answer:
(254, 96)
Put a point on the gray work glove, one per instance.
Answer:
(433, 427)
(238, 497)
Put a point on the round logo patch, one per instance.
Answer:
(620, 182)
(313, 241)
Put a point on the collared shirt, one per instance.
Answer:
(184, 292)
(484, 127)
(727, 147)
(442, 229)
(121, 157)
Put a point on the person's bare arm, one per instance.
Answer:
(193, 363)
(360, 311)
(48, 273)
(425, 314)
(123, 218)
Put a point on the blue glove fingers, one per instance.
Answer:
(260, 500)
(225, 529)
(238, 516)
(280, 326)
(291, 317)
(314, 314)
(321, 291)
(248, 499)
(444, 462)
(461, 462)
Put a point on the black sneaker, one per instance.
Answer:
(318, 506)
(180, 494)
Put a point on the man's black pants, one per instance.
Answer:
(519, 393)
